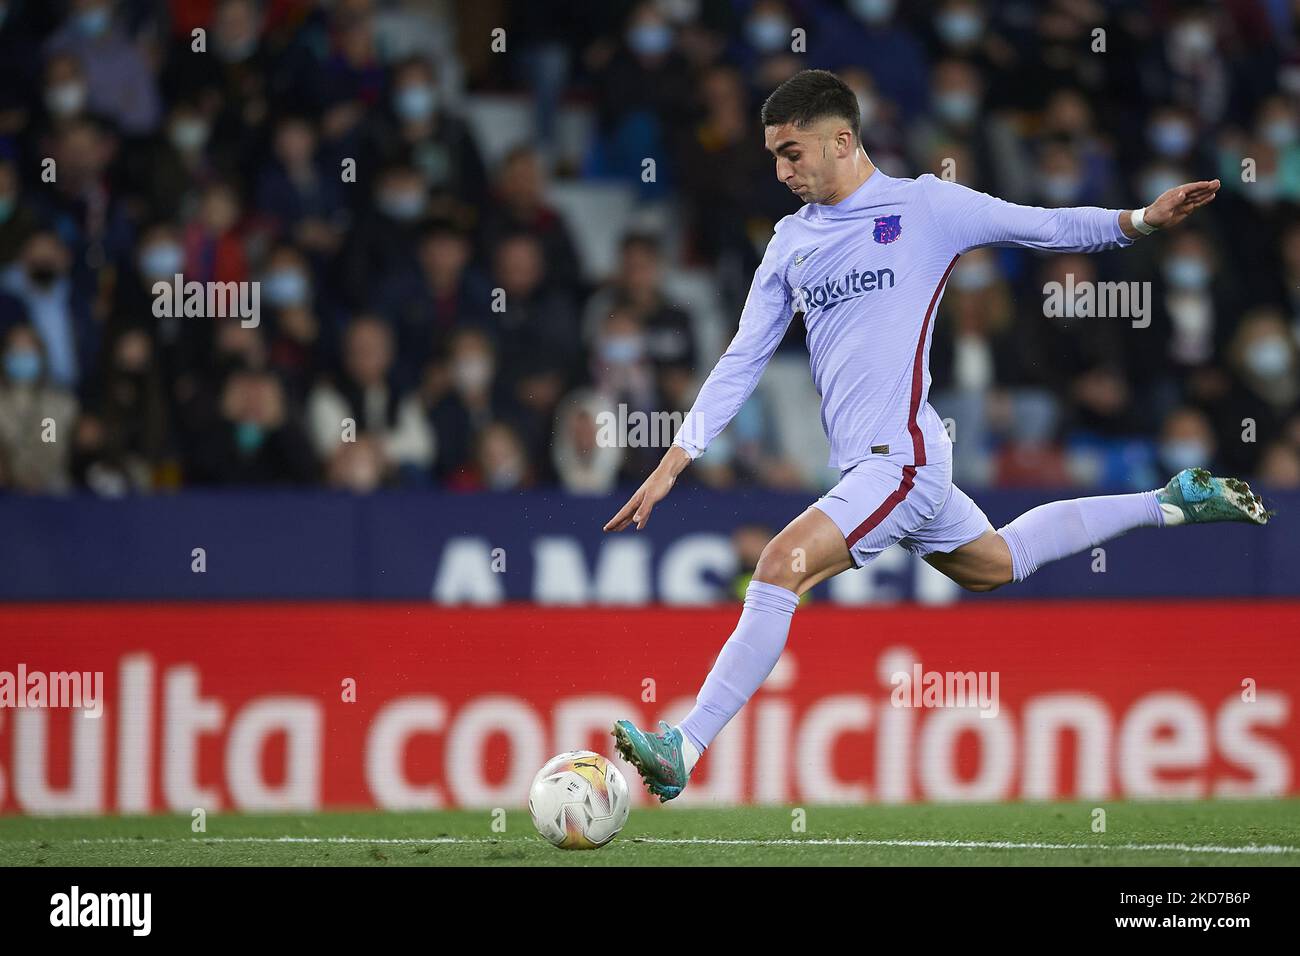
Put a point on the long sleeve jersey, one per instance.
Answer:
(867, 274)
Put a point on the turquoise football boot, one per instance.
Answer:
(657, 757)
(1194, 496)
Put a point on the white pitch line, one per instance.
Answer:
(990, 845)
(918, 844)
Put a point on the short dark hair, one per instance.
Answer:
(811, 95)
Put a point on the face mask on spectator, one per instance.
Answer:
(1187, 272)
(873, 11)
(1170, 137)
(65, 99)
(416, 102)
(285, 287)
(1263, 190)
(974, 276)
(680, 11)
(162, 260)
(505, 476)
(236, 51)
(43, 275)
(650, 39)
(472, 374)
(403, 206)
(767, 33)
(1179, 453)
(1280, 133)
(93, 22)
(1060, 188)
(249, 437)
(23, 366)
(622, 349)
(7, 204)
(1158, 182)
(959, 27)
(189, 135)
(1269, 357)
(957, 107)
(1194, 39)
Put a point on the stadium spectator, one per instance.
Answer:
(34, 409)
(464, 395)
(254, 441)
(586, 460)
(500, 462)
(418, 128)
(361, 404)
(294, 326)
(214, 242)
(381, 243)
(642, 88)
(120, 445)
(299, 192)
(874, 37)
(41, 280)
(65, 89)
(84, 203)
(726, 183)
(1263, 391)
(165, 173)
(519, 205)
(445, 292)
(535, 334)
(1279, 466)
(637, 287)
(1186, 441)
(118, 82)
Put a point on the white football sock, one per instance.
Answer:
(690, 756)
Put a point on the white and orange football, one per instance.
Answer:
(579, 800)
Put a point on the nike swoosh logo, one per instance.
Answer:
(799, 260)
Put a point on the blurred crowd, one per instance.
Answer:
(431, 320)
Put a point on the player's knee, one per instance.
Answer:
(777, 565)
(988, 578)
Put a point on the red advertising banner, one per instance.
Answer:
(133, 709)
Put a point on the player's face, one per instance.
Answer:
(805, 158)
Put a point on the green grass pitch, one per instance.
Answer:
(1195, 833)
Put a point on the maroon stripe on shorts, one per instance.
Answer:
(886, 506)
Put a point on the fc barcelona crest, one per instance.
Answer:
(887, 228)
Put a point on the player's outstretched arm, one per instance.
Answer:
(973, 219)
(1171, 207)
(652, 491)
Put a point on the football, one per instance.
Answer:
(579, 800)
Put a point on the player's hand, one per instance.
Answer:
(652, 491)
(1175, 205)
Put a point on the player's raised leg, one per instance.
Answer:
(809, 550)
(1062, 528)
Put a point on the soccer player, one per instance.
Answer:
(864, 263)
